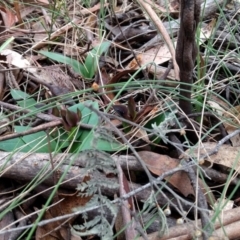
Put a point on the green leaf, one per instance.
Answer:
(6, 43)
(110, 145)
(158, 119)
(77, 66)
(37, 142)
(84, 138)
(90, 66)
(93, 58)
(12, 145)
(88, 117)
(62, 139)
(23, 99)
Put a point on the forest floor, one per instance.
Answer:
(101, 137)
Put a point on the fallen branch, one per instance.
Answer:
(227, 225)
(25, 167)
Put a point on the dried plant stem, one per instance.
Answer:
(64, 29)
(158, 23)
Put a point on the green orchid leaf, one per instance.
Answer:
(92, 58)
(102, 144)
(77, 66)
(23, 99)
(16, 144)
(86, 70)
(88, 117)
(38, 142)
(158, 119)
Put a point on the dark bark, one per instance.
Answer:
(186, 50)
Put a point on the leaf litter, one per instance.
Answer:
(77, 64)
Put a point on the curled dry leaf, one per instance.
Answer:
(135, 63)
(102, 79)
(58, 230)
(159, 164)
(7, 17)
(15, 59)
(227, 155)
(142, 134)
(158, 55)
(122, 111)
(132, 108)
(70, 119)
(232, 123)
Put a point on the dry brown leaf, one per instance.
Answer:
(42, 232)
(16, 59)
(103, 79)
(18, 13)
(159, 55)
(66, 206)
(119, 226)
(56, 76)
(216, 107)
(207, 30)
(142, 134)
(8, 17)
(40, 26)
(159, 71)
(227, 155)
(6, 220)
(223, 105)
(134, 64)
(233, 122)
(159, 164)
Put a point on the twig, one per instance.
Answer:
(201, 201)
(158, 23)
(154, 92)
(53, 122)
(42, 127)
(63, 29)
(228, 219)
(124, 197)
(45, 117)
(221, 142)
(210, 114)
(130, 232)
(129, 45)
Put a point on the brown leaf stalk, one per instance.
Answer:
(158, 23)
